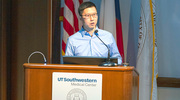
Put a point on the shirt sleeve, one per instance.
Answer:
(115, 52)
(69, 49)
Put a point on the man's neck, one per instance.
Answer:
(90, 31)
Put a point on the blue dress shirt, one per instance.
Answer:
(83, 44)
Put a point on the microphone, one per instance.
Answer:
(108, 62)
(45, 61)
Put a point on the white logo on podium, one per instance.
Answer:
(76, 86)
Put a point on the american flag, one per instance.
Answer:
(71, 22)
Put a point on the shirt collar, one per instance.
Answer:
(84, 32)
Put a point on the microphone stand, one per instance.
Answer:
(108, 62)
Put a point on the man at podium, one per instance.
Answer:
(90, 40)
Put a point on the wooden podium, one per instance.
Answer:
(118, 83)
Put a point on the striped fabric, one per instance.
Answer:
(119, 36)
(110, 20)
(71, 22)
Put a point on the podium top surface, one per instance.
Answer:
(79, 67)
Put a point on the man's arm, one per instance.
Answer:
(115, 52)
(69, 49)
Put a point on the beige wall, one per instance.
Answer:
(30, 33)
(168, 93)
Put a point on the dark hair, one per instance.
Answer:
(85, 5)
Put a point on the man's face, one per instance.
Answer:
(89, 18)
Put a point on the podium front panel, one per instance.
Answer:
(118, 83)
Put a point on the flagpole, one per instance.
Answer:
(152, 19)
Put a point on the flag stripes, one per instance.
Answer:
(70, 21)
(68, 27)
(70, 5)
(110, 20)
(119, 36)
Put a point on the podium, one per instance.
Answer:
(118, 83)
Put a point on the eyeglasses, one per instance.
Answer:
(89, 15)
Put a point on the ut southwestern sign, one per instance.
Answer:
(76, 86)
